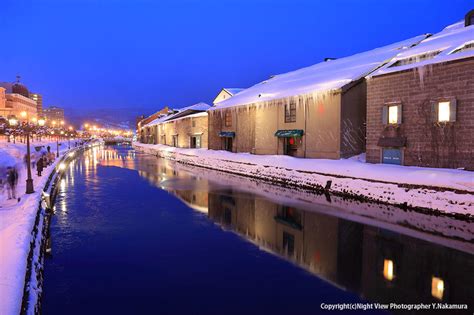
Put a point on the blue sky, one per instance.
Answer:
(142, 55)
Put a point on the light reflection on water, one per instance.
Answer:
(385, 255)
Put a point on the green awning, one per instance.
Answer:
(289, 133)
(227, 134)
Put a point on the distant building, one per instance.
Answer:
(15, 101)
(185, 128)
(420, 105)
(144, 134)
(225, 94)
(53, 113)
(38, 98)
(138, 120)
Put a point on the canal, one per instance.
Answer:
(135, 234)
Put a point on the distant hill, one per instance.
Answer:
(123, 118)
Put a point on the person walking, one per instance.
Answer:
(40, 165)
(12, 181)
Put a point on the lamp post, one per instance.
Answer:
(57, 145)
(69, 137)
(29, 180)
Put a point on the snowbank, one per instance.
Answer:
(440, 190)
(16, 225)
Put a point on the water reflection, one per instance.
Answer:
(382, 253)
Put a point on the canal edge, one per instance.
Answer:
(33, 283)
(318, 188)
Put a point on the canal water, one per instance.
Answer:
(135, 234)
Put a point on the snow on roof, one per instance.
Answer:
(324, 76)
(233, 91)
(185, 111)
(441, 47)
(161, 118)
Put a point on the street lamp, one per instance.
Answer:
(29, 180)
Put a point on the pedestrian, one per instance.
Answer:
(40, 166)
(12, 181)
(33, 160)
(45, 160)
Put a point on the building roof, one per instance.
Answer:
(15, 88)
(324, 76)
(233, 91)
(444, 46)
(185, 111)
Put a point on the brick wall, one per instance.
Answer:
(449, 145)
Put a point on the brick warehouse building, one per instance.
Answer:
(420, 106)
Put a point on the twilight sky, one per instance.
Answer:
(137, 56)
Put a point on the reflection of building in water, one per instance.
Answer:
(307, 238)
(380, 265)
(119, 158)
(197, 200)
(414, 271)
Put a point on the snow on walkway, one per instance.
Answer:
(16, 224)
(447, 190)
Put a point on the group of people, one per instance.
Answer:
(40, 160)
(43, 160)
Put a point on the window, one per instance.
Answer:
(290, 112)
(388, 269)
(416, 58)
(437, 288)
(392, 114)
(228, 119)
(444, 111)
(193, 123)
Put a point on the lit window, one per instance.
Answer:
(437, 288)
(388, 269)
(443, 111)
(393, 114)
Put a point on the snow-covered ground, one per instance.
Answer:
(16, 224)
(446, 190)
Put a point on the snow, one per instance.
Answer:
(443, 190)
(185, 111)
(234, 91)
(321, 77)
(201, 114)
(448, 40)
(16, 225)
